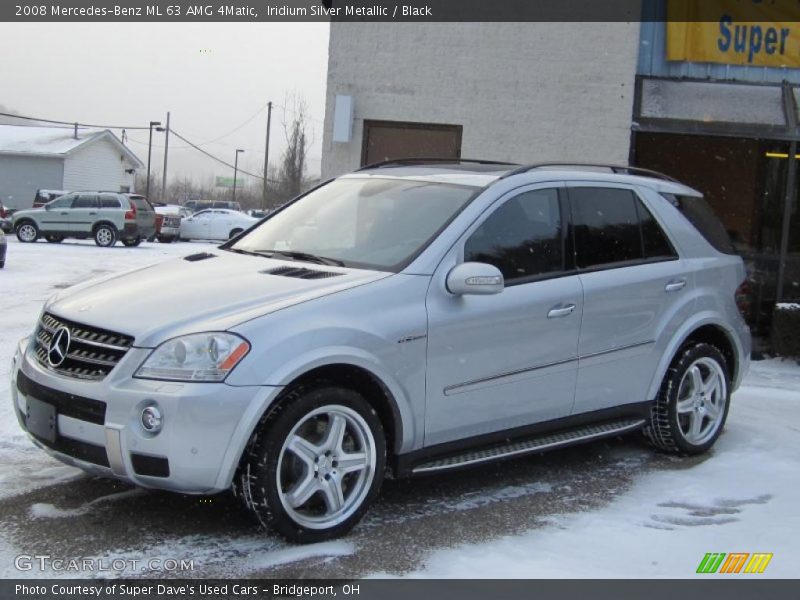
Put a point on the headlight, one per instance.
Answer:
(196, 357)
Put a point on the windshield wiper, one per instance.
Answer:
(240, 251)
(303, 256)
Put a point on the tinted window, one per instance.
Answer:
(64, 201)
(85, 201)
(702, 216)
(522, 238)
(109, 201)
(141, 203)
(656, 243)
(606, 226)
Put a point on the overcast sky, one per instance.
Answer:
(212, 77)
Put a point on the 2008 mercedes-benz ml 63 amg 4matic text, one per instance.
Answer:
(411, 317)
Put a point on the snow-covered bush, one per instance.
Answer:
(786, 329)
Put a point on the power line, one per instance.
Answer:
(219, 160)
(73, 123)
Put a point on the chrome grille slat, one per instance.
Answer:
(93, 353)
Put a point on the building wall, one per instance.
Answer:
(21, 176)
(523, 92)
(97, 166)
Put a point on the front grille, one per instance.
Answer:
(171, 221)
(91, 354)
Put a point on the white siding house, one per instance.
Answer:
(34, 158)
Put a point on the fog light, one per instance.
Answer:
(151, 419)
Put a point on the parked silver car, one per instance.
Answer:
(103, 216)
(408, 318)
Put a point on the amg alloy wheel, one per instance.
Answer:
(692, 406)
(316, 465)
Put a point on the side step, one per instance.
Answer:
(540, 443)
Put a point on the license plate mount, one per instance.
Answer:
(41, 420)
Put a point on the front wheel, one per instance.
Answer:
(131, 243)
(54, 239)
(234, 233)
(692, 405)
(105, 236)
(27, 232)
(315, 465)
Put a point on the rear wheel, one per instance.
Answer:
(234, 233)
(130, 243)
(693, 402)
(54, 239)
(166, 239)
(105, 236)
(27, 232)
(315, 465)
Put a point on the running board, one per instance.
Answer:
(541, 443)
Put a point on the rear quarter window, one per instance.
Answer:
(700, 214)
(141, 203)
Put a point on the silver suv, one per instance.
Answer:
(405, 319)
(104, 216)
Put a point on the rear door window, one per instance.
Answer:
(605, 225)
(85, 201)
(613, 226)
(109, 201)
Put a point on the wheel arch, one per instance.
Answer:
(709, 330)
(373, 387)
(104, 222)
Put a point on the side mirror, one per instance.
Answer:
(47, 207)
(475, 278)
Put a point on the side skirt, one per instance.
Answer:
(521, 441)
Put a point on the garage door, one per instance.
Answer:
(389, 140)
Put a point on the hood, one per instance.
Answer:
(210, 292)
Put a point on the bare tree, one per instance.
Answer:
(291, 174)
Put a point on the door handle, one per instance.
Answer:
(63, 214)
(675, 285)
(561, 311)
(92, 214)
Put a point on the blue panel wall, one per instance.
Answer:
(652, 56)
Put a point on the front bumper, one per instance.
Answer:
(98, 424)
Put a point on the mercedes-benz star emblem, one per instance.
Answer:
(59, 347)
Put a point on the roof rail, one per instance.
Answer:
(618, 169)
(421, 161)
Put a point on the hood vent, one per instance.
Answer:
(199, 256)
(301, 273)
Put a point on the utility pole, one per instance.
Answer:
(166, 153)
(235, 171)
(266, 156)
(155, 124)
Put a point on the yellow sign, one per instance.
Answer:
(734, 32)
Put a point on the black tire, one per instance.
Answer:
(166, 239)
(234, 233)
(27, 232)
(105, 235)
(664, 428)
(54, 239)
(256, 482)
(132, 243)
(2, 264)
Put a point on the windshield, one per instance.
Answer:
(360, 222)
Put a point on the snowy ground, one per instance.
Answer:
(608, 509)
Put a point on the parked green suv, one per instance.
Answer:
(104, 216)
